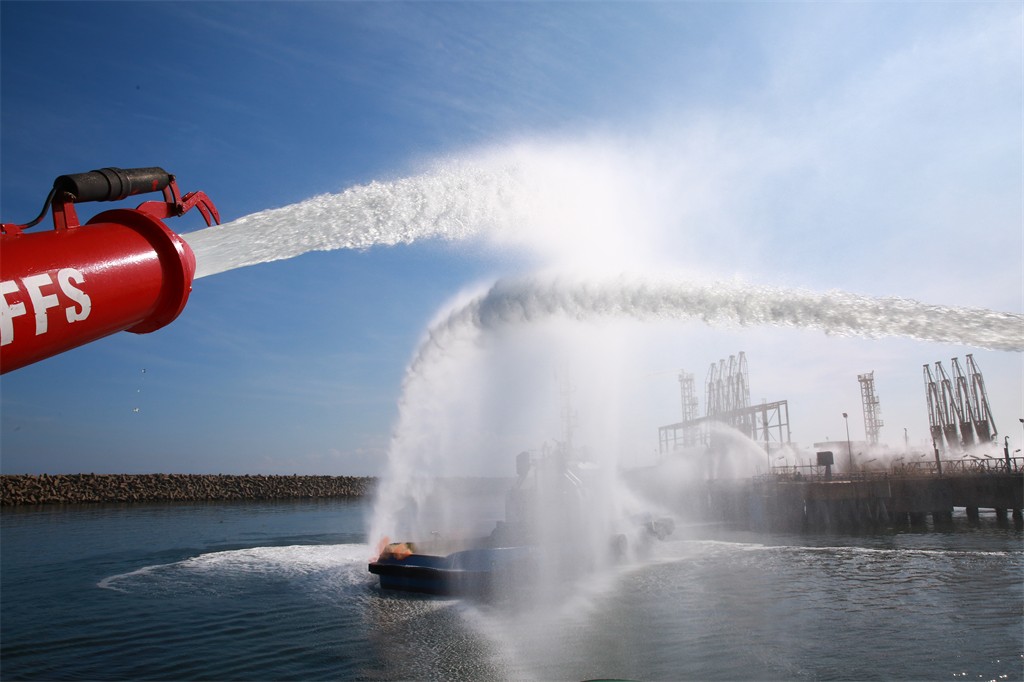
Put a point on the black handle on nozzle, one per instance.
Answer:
(112, 184)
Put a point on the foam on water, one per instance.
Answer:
(329, 566)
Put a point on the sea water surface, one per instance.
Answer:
(280, 591)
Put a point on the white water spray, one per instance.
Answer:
(588, 205)
(453, 202)
(565, 202)
(518, 301)
(511, 304)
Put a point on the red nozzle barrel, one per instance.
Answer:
(60, 289)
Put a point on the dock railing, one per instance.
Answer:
(969, 466)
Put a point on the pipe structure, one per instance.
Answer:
(124, 270)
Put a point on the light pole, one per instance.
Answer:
(849, 445)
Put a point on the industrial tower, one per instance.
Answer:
(728, 390)
(689, 402)
(688, 396)
(728, 402)
(958, 409)
(872, 411)
(984, 424)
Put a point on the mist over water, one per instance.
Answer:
(532, 363)
(572, 317)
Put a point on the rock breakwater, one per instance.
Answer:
(83, 488)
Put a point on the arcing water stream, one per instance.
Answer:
(519, 301)
(533, 301)
(453, 202)
(501, 197)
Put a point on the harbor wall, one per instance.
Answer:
(773, 504)
(864, 503)
(18, 490)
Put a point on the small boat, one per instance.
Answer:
(480, 571)
(522, 547)
(481, 566)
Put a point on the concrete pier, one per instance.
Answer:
(862, 503)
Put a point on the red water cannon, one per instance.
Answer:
(122, 270)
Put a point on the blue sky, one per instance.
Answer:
(867, 147)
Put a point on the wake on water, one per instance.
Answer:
(327, 567)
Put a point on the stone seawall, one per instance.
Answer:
(83, 488)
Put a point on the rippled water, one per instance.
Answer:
(280, 591)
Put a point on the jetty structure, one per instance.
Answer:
(18, 490)
(844, 486)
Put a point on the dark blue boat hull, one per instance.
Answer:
(479, 572)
